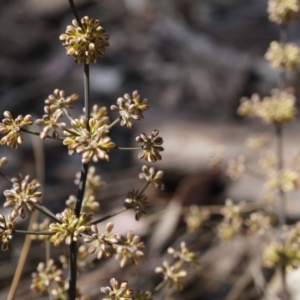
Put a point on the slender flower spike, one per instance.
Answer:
(70, 227)
(6, 231)
(12, 128)
(130, 108)
(153, 177)
(24, 193)
(85, 43)
(151, 146)
(117, 291)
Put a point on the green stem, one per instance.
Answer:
(34, 232)
(143, 190)
(160, 286)
(108, 216)
(128, 148)
(113, 123)
(45, 211)
(65, 111)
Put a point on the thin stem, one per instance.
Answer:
(108, 216)
(75, 13)
(143, 190)
(160, 286)
(38, 134)
(81, 188)
(5, 177)
(34, 232)
(65, 111)
(113, 123)
(87, 102)
(45, 211)
(282, 204)
(128, 148)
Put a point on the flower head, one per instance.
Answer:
(185, 255)
(283, 11)
(283, 56)
(196, 217)
(86, 41)
(117, 291)
(151, 146)
(236, 167)
(92, 144)
(130, 108)
(129, 249)
(6, 231)
(151, 176)
(46, 274)
(70, 227)
(136, 202)
(24, 193)
(104, 243)
(173, 274)
(12, 128)
(58, 100)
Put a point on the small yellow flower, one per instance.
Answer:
(283, 11)
(283, 56)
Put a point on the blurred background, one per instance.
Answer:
(192, 59)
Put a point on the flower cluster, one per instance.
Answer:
(195, 217)
(50, 280)
(136, 202)
(56, 105)
(283, 56)
(258, 222)
(88, 138)
(117, 291)
(232, 222)
(86, 41)
(151, 146)
(257, 142)
(286, 254)
(126, 249)
(69, 227)
(129, 249)
(236, 167)
(286, 181)
(13, 129)
(172, 274)
(130, 108)
(276, 109)
(152, 177)
(283, 11)
(24, 193)
(103, 244)
(6, 231)
(185, 255)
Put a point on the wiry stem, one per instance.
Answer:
(108, 216)
(80, 192)
(75, 13)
